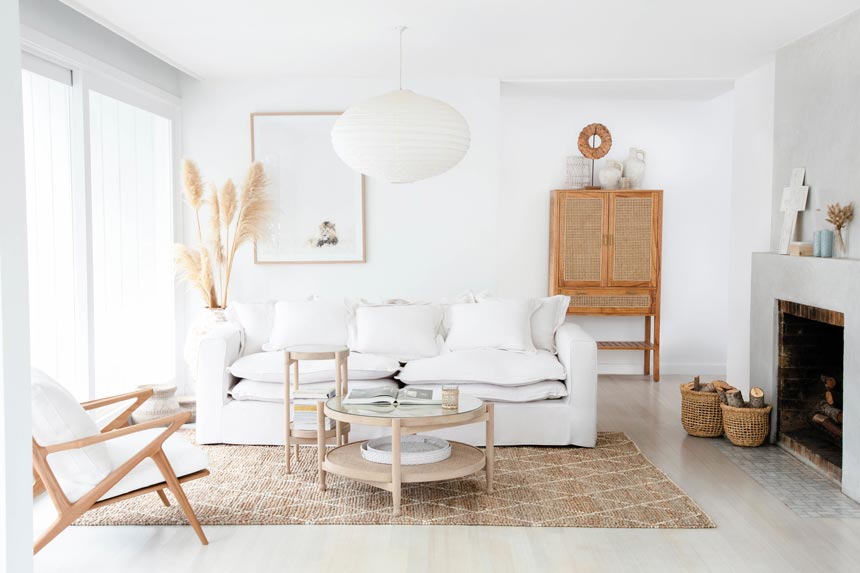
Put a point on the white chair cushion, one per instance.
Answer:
(58, 418)
(546, 390)
(184, 457)
(402, 331)
(497, 323)
(269, 367)
(487, 366)
(256, 391)
(304, 322)
(255, 318)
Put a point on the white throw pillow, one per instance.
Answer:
(402, 331)
(58, 418)
(488, 366)
(502, 324)
(546, 390)
(309, 322)
(269, 367)
(255, 318)
(549, 315)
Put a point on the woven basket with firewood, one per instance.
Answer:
(745, 423)
(700, 408)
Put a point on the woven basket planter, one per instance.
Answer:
(746, 426)
(700, 412)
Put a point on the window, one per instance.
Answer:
(99, 240)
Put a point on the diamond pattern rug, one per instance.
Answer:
(611, 485)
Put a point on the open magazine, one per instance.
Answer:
(392, 396)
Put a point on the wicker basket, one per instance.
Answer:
(746, 426)
(700, 412)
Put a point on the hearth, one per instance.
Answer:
(809, 385)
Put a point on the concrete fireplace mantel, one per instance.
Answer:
(832, 284)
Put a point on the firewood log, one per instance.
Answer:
(722, 385)
(756, 398)
(829, 382)
(722, 394)
(831, 412)
(828, 425)
(709, 387)
(735, 398)
(831, 397)
(697, 385)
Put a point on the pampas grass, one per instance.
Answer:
(214, 256)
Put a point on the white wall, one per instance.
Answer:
(16, 532)
(752, 175)
(430, 239)
(689, 156)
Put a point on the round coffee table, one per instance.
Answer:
(346, 460)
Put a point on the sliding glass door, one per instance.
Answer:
(100, 232)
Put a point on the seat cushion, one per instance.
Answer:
(269, 367)
(254, 390)
(58, 418)
(545, 390)
(184, 457)
(486, 366)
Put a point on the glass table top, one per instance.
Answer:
(466, 404)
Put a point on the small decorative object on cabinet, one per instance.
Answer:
(578, 172)
(634, 166)
(793, 201)
(605, 251)
(839, 216)
(586, 141)
(800, 249)
(610, 174)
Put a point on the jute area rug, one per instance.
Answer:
(612, 485)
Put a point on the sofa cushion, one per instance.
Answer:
(255, 318)
(545, 390)
(254, 390)
(58, 418)
(488, 366)
(549, 315)
(269, 367)
(496, 323)
(402, 331)
(304, 322)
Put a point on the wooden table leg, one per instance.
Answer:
(647, 353)
(338, 390)
(395, 465)
(287, 410)
(490, 446)
(321, 441)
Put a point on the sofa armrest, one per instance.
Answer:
(577, 352)
(217, 350)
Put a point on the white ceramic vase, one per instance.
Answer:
(634, 166)
(610, 174)
(162, 403)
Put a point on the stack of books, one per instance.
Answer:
(303, 408)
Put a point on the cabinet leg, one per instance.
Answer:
(321, 442)
(657, 348)
(647, 353)
(395, 465)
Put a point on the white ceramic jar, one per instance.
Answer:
(610, 174)
(634, 166)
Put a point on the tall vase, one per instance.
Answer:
(839, 249)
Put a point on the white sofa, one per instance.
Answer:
(571, 420)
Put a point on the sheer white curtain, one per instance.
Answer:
(55, 343)
(132, 235)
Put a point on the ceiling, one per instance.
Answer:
(507, 39)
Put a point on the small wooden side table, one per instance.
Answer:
(292, 356)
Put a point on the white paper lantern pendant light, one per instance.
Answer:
(400, 136)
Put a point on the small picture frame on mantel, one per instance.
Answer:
(318, 201)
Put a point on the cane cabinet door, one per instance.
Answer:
(634, 231)
(582, 224)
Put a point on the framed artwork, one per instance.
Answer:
(318, 201)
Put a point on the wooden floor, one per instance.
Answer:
(755, 531)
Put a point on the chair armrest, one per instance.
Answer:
(142, 395)
(577, 352)
(174, 422)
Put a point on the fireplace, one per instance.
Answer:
(809, 385)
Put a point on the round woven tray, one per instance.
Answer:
(700, 412)
(746, 426)
(414, 450)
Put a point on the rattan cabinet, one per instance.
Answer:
(605, 254)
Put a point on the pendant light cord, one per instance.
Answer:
(401, 29)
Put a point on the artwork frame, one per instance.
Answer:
(290, 240)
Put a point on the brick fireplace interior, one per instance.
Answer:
(809, 383)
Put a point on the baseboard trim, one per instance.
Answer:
(670, 368)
